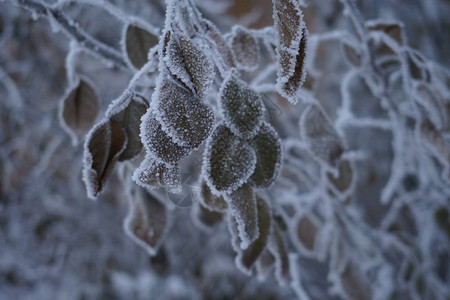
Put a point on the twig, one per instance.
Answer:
(85, 40)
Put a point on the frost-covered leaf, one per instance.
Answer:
(391, 28)
(184, 117)
(246, 258)
(320, 136)
(352, 53)
(306, 232)
(104, 144)
(79, 109)
(291, 49)
(354, 283)
(265, 264)
(228, 161)
(267, 147)
(154, 174)
(188, 63)
(128, 112)
(344, 178)
(436, 143)
(147, 221)
(219, 44)
(138, 42)
(206, 217)
(211, 201)
(277, 248)
(158, 142)
(437, 111)
(242, 107)
(242, 204)
(245, 48)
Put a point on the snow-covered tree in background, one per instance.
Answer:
(301, 154)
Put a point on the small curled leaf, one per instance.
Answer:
(277, 248)
(267, 147)
(128, 112)
(207, 217)
(354, 283)
(245, 48)
(211, 201)
(219, 43)
(228, 161)
(306, 232)
(352, 53)
(138, 42)
(242, 107)
(184, 117)
(79, 110)
(242, 203)
(158, 142)
(147, 221)
(344, 178)
(249, 256)
(154, 174)
(188, 63)
(393, 29)
(104, 144)
(321, 137)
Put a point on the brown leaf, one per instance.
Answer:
(185, 117)
(277, 248)
(102, 149)
(345, 176)
(147, 221)
(155, 174)
(128, 112)
(291, 50)
(437, 144)
(245, 48)
(188, 63)
(320, 136)
(79, 110)
(220, 44)
(138, 42)
(211, 201)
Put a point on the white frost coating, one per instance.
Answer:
(227, 161)
(296, 282)
(245, 48)
(184, 117)
(153, 174)
(242, 204)
(291, 46)
(320, 135)
(435, 107)
(241, 107)
(277, 248)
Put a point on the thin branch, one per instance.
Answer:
(74, 32)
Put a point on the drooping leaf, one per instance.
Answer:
(437, 144)
(344, 178)
(158, 142)
(249, 256)
(79, 110)
(184, 117)
(354, 283)
(241, 106)
(277, 248)
(391, 28)
(104, 144)
(207, 217)
(188, 63)
(147, 221)
(291, 49)
(245, 48)
(211, 201)
(128, 112)
(242, 204)
(352, 53)
(320, 136)
(228, 161)
(154, 174)
(219, 43)
(437, 111)
(138, 42)
(265, 264)
(306, 231)
(267, 147)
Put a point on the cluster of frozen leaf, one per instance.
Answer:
(374, 131)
